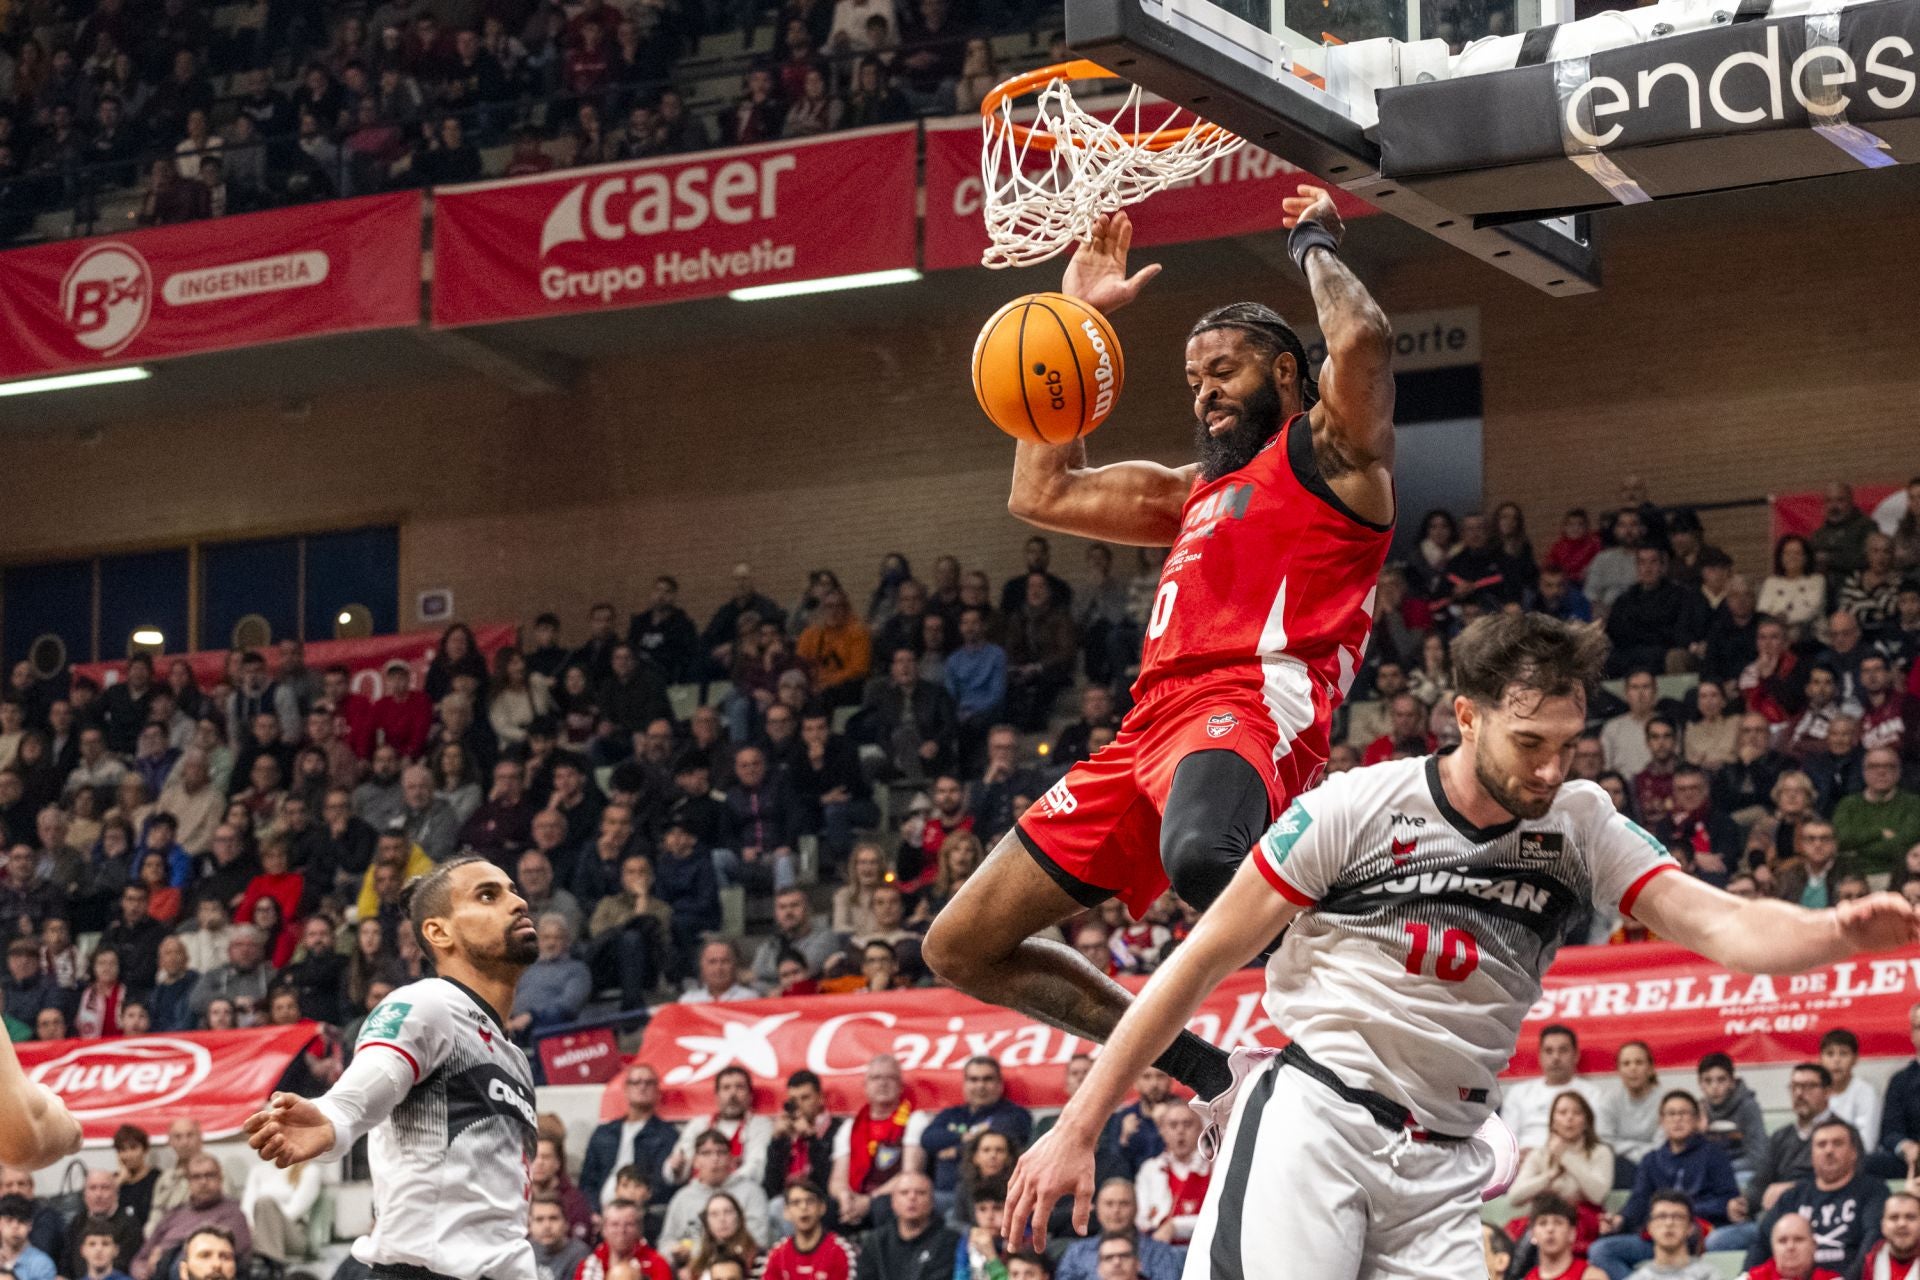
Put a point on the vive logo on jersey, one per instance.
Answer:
(384, 1022)
(1221, 725)
(1406, 820)
(1286, 832)
(1542, 846)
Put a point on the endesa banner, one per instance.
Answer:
(628, 235)
(1237, 195)
(218, 1078)
(1679, 1004)
(255, 278)
(365, 658)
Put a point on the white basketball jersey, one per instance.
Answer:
(1427, 937)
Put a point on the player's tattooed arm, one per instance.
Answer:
(1354, 418)
(1133, 503)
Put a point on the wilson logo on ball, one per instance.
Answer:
(1047, 368)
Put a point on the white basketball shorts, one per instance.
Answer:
(1309, 1186)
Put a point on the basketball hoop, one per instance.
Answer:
(1082, 166)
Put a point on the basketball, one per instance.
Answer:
(1047, 368)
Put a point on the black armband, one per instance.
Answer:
(1308, 235)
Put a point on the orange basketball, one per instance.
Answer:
(1047, 368)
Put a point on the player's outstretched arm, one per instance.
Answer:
(1355, 412)
(1136, 504)
(291, 1129)
(35, 1126)
(1244, 919)
(1765, 935)
(1132, 503)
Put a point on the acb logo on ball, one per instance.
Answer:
(107, 297)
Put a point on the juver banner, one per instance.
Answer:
(666, 230)
(1680, 1005)
(216, 1077)
(243, 281)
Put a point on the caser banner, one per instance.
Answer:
(366, 658)
(244, 281)
(218, 1078)
(1677, 1003)
(1237, 195)
(666, 230)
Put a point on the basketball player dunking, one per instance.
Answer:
(1426, 899)
(1278, 532)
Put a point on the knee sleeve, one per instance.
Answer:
(1216, 810)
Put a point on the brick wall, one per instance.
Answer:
(1730, 354)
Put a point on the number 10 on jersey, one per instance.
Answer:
(1456, 955)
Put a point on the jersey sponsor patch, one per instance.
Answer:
(384, 1022)
(1219, 726)
(1286, 832)
(1542, 846)
(484, 1092)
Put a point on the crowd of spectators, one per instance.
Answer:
(180, 856)
(215, 848)
(1830, 1192)
(323, 98)
(1767, 727)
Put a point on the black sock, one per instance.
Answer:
(1197, 1065)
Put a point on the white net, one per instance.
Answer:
(1047, 179)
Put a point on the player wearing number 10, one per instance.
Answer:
(1278, 532)
(1423, 902)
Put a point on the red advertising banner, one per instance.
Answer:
(580, 1057)
(1804, 512)
(628, 235)
(1237, 195)
(218, 1078)
(365, 658)
(243, 281)
(1678, 1004)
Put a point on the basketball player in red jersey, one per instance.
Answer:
(1278, 531)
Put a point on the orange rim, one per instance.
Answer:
(1080, 69)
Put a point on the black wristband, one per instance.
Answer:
(1308, 235)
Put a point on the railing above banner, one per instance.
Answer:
(364, 658)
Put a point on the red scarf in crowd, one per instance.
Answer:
(1190, 1192)
(869, 1138)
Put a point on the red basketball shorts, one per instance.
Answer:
(1097, 830)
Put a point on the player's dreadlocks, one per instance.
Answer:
(1263, 327)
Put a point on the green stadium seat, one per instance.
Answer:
(1728, 1263)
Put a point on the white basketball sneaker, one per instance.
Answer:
(1215, 1112)
(1499, 1139)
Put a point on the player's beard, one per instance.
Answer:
(1506, 794)
(1255, 423)
(516, 948)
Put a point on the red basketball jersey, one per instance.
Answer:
(1271, 583)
